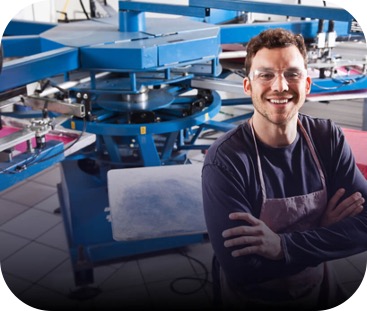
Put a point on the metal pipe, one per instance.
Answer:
(234, 54)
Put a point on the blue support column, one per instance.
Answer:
(148, 150)
(131, 21)
(112, 148)
(169, 145)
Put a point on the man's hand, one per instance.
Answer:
(349, 207)
(257, 238)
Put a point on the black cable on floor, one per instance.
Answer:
(202, 281)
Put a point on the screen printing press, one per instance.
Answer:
(120, 99)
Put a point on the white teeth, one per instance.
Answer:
(279, 101)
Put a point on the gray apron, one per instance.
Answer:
(297, 213)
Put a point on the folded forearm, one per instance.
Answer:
(312, 247)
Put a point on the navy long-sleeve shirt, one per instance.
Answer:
(230, 183)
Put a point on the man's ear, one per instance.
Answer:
(247, 86)
(308, 84)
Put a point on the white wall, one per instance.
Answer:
(43, 11)
(46, 10)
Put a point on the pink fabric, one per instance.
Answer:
(22, 147)
(357, 140)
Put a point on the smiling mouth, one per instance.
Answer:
(280, 101)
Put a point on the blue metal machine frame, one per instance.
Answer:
(142, 56)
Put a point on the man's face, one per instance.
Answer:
(278, 83)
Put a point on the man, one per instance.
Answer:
(282, 194)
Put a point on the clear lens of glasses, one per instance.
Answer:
(269, 76)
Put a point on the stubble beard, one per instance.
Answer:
(280, 118)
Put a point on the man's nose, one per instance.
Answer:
(280, 84)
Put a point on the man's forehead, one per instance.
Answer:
(283, 50)
(285, 55)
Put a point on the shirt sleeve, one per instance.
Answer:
(342, 239)
(223, 193)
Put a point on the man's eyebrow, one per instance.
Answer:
(293, 68)
(266, 68)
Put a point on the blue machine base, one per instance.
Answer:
(83, 200)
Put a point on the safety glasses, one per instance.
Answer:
(268, 76)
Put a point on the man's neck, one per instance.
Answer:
(275, 135)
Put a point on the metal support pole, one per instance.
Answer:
(131, 21)
(364, 116)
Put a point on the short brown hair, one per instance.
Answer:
(274, 38)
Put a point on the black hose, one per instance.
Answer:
(84, 10)
(92, 5)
